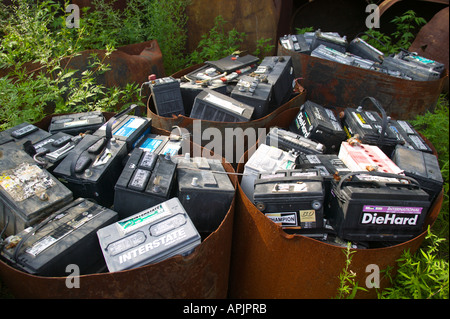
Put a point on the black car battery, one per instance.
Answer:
(233, 62)
(292, 198)
(369, 127)
(92, 168)
(279, 72)
(421, 61)
(377, 209)
(326, 53)
(166, 96)
(150, 236)
(363, 49)
(319, 124)
(49, 152)
(28, 193)
(296, 43)
(66, 237)
(146, 180)
(205, 191)
(421, 166)
(408, 136)
(214, 106)
(415, 71)
(74, 124)
(333, 41)
(290, 141)
(20, 134)
(254, 91)
(127, 128)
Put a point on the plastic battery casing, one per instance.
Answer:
(421, 61)
(363, 49)
(22, 133)
(421, 166)
(233, 62)
(254, 92)
(77, 123)
(365, 157)
(166, 95)
(319, 124)
(415, 71)
(84, 172)
(214, 106)
(53, 149)
(377, 210)
(66, 237)
(205, 191)
(332, 54)
(153, 143)
(290, 141)
(279, 71)
(190, 89)
(266, 159)
(146, 180)
(150, 236)
(28, 193)
(408, 136)
(292, 198)
(329, 40)
(128, 128)
(296, 43)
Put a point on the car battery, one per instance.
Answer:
(22, 133)
(92, 168)
(319, 124)
(146, 180)
(233, 62)
(292, 198)
(421, 61)
(50, 151)
(370, 127)
(266, 159)
(408, 136)
(290, 141)
(361, 48)
(67, 236)
(166, 95)
(279, 72)
(205, 191)
(150, 236)
(376, 210)
(411, 69)
(153, 143)
(213, 106)
(421, 166)
(296, 43)
(365, 157)
(127, 128)
(255, 92)
(329, 40)
(28, 193)
(324, 52)
(74, 124)
(363, 63)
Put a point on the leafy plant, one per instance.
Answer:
(348, 285)
(263, 47)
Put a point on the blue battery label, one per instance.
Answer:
(129, 127)
(151, 144)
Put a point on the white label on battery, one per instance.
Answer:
(361, 121)
(405, 127)
(76, 123)
(313, 159)
(285, 218)
(144, 218)
(290, 187)
(286, 44)
(330, 114)
(226, 104)
(268, 176)
(40, 246)
(417, 142)
(370, 116)
(303, 174)
(336, 126)
(43, 143)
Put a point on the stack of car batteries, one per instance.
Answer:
(166, 95)
(333, 41)
(361, 48)
(319, 124)
(214, 106)
(148, 237)
(233, 63)
(378, 209)
(67, 236)
(205, 191)
(421, 166)
(266, 159)
(146, 180)
(296, 42)
(74, 124)
(292, 198)
(27, 193)
(408, 136)
(290, 141)
(22, 133)
(326, 53)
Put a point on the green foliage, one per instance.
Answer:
(407, 27)
(303, 30)
(421, 275)
(263, 47)
(348, 286)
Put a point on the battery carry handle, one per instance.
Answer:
(384, 124)
(111, 121)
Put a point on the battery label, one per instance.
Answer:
(361, 121)
(307, 216)
(151, 144)
(225, 104)
(390, 215)
(146, 217)
(290, 187)
(284, 219)
(76, 123)
(129, 127)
